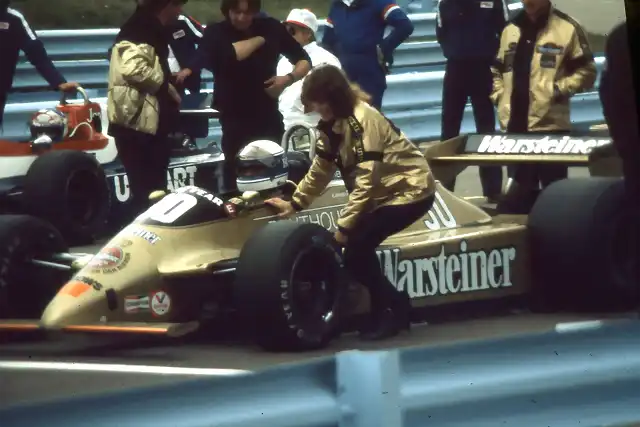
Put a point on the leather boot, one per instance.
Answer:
(390, 321)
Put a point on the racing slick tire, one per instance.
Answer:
(25, 288)
(290, 286)
(585, 245)
(70, 190)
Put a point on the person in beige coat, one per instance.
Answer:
(142, 105)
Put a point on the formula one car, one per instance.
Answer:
(195, 257)
(73, 178)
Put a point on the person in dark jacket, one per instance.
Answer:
(469, 34)
(16, 35)
(355, 34)
(186, 34)
(142, 104)
(243, 51)
(619, 100)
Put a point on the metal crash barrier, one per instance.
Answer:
(585, 374)
(412, 100)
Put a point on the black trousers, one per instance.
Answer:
(534, 176)
(360, 256)
(466, 79)
(240, 130)
(145, 159)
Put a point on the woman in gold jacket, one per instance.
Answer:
(388, 179)
(142, 105)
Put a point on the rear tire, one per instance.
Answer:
(582, 256)
(69, 189)
(279, 269)
(26, 289)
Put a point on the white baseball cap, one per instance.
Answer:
(303, 18)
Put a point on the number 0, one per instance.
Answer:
(170, 208)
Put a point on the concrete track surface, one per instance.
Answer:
(34, 370)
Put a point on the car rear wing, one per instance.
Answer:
(449, 158)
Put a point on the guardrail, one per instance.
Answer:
(585, 374)
(81, 55)
(412, 101)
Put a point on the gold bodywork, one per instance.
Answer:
(456, 253)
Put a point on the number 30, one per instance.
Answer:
(170, 208)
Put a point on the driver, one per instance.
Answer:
(389, 182)
(261, 168)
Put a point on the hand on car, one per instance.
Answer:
(68, 87)
(285, 209)
(276, 85)
(173, 92)
(182, 75)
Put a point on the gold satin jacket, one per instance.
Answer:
(380, 166)
(562, 59)
(135, 76)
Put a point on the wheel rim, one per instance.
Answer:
(83, 201)
(314, 288)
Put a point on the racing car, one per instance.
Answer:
(68, 172)
(196, 257)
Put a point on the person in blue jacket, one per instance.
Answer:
(355, 34)
(469, 34)
(16, 35)
(186, 34)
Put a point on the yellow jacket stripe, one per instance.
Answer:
(378, 163)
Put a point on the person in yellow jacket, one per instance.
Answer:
(543, 60)
(388, 179)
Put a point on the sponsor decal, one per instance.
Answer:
(160, 303)
(340, 194)
(148, 236)
(179, 34)
(449, 273)
(169, 209)
(326, 217)
(177, 177)
(79, 285)
(230, 209)
(4, 25)
(504, 144)
(110, 259)
(197, 191)
(486, 5)
(136, 304)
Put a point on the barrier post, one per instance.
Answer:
(369, 389)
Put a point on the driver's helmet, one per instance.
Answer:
(52, 123)
(261, 165)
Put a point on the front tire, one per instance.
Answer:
(26, 289)
(289, 286)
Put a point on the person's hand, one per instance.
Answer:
(182, 75)
(68, 87)
(341, 238)
(285, 209)
(173, 93)
(276, 85)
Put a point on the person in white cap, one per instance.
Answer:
(302, 24)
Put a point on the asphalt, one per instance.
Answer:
(37, 369)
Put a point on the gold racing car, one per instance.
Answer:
(195, 257)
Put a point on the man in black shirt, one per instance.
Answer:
(242, 51)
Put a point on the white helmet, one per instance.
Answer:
(261, 165)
